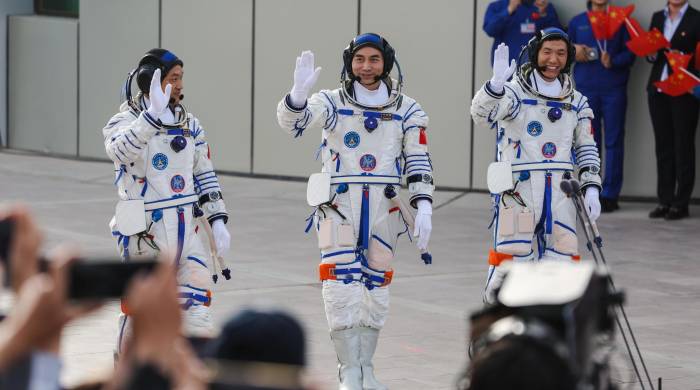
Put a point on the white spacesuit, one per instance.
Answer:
(163, 174)
(370, 138)
(543, 134)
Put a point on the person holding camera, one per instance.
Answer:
(540, 121)
(165, 180)
(515, 22)
(30, 335)
(601, 74)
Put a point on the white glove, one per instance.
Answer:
(305, 77)
(593, 202)
(423, 224)
(501, 71)
(221, 237)
(158, 99)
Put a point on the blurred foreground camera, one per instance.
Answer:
(552, 328)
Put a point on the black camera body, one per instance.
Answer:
(566, 309)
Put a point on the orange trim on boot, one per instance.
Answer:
(496, 258)
(576, 257)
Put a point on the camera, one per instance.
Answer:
(554, 321)
(88, 279)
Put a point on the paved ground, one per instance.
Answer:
(423, 344)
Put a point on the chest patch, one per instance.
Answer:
(159, 161)
(177, 183)
(368, 162)
(351, 139)
(549, 149)
(534, 128)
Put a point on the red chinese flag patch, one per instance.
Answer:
(423, 138)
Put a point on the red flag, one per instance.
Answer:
(633, 27)
(697, 56)
(677, 84)
(647, 43)
(617, 16)
(599, 24)
(677, 59)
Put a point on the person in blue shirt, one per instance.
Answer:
(602, 77)
(514, 22)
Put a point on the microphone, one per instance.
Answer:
(182, 97)
(565, 186)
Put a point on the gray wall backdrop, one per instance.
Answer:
(239, 59)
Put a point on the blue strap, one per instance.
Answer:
(122, 169)
(194, 297)
(125, 242)
(370, 114)
(180, 234)
(364, 219)
(549, 103)
(197, 260)
(310, 220)
(548, 202)
(177, 132)
(145, 187)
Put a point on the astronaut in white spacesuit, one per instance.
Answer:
(372, 134)
(165, 181)
(543, 134)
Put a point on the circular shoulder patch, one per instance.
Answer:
(368, 162)
(351, 139)
(177, 183)
(534, 128)
(160, 161)
(549, 149)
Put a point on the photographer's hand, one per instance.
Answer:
(23, 255)
(40, 312)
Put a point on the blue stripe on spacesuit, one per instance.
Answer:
(559, 253)
(382, 242)
(398, 166)
(210, 187)
(299, 128)
(332, 254)
(194, 288)
(364, 219)
(180, 234)
(122, 170)
(145, 187)
(569, 228)
(204, 173)
(125, 244)
(132, 144)
(208, 180)
(548, 202)
(514, 242)
(418, 170)
(197, 260)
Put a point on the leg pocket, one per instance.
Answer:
(564, 239)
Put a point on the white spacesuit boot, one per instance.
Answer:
(368, 344)
(347, 347)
